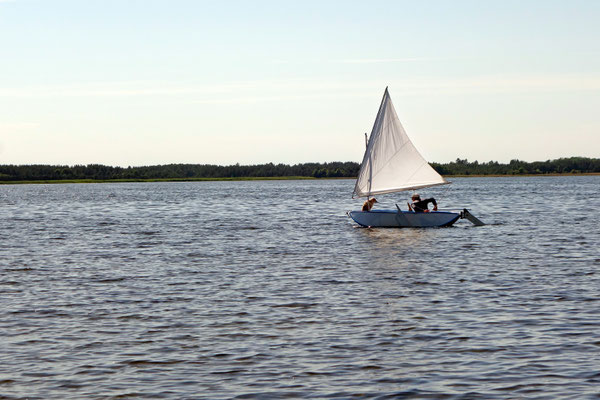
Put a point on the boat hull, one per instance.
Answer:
(403, 219)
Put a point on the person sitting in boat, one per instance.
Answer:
(419, 205)
(367, 205)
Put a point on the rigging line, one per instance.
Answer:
(444, 193)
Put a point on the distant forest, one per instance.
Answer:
(13, 173)
(571, 165)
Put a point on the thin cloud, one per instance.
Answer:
(18, 126)
(277, 90)
(355, 60)
(504, 84)
(265, 99)
(142, 89)
(383, 60)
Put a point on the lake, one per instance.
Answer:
(267, 290)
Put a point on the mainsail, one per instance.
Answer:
(391, 162)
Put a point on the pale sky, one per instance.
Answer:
(155, 82)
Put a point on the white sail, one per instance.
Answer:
(391, 162)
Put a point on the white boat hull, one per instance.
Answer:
(403, 219)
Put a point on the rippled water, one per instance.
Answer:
(267, 290)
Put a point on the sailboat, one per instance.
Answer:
(392, 164)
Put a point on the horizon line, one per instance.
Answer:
(281, 163)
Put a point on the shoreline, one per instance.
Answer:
(59, 181)
(520, 175)
(273, 178)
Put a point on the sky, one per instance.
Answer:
(130, 83)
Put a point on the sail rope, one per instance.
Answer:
(444, 193)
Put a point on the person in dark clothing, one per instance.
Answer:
(419, 205)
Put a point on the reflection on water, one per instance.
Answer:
(202, 290)
(392, 239)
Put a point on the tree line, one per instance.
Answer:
(176, 171)
(349, 169)
(571, 165)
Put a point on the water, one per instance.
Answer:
(267, 290)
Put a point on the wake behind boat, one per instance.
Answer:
(392, 164)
